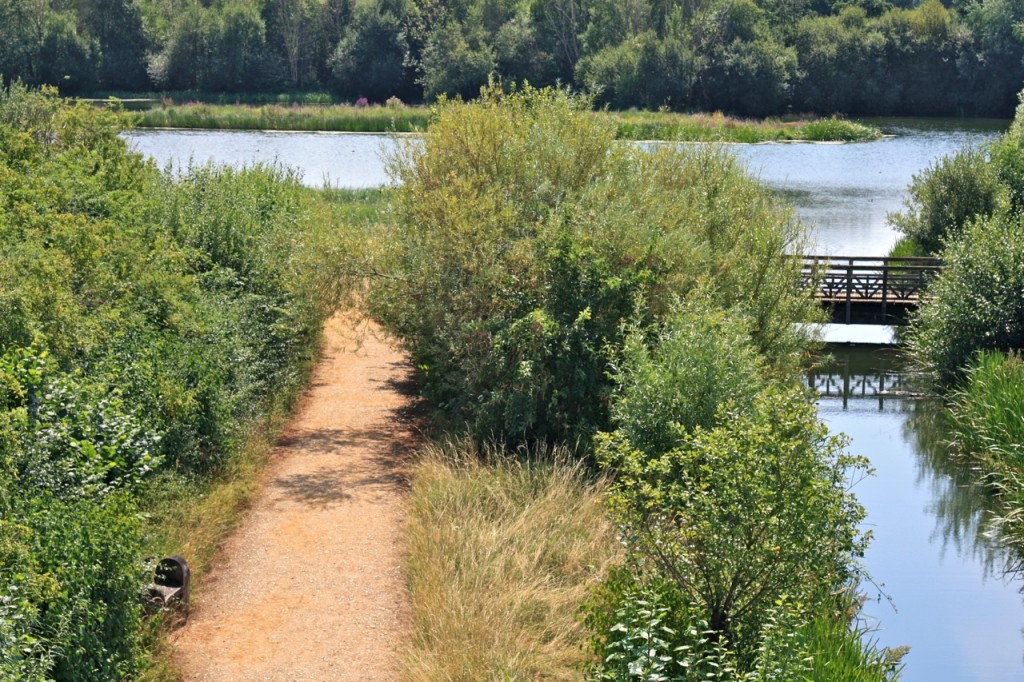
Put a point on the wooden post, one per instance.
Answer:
(849, 292)
(885, 287)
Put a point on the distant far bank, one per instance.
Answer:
(298, 113)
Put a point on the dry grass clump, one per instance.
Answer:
(503, 549)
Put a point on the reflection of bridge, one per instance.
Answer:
(880, 384)
(843, 384)
(861, 290)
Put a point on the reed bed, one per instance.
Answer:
(394, 117)
(988, 426)
(293, 117)
(989, 412)
(503, 550)
(717, 127)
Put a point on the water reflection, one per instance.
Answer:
(954, 603)
(860, 374)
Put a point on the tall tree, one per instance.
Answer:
(117, 26)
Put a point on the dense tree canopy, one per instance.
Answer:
(748, 57)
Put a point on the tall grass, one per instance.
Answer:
(331, 118)
(989, 412)
(988, 427)
(502, 553)
(716, 127)
(637, 125)
(844, 651)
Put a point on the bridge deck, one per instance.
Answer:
(868, 290)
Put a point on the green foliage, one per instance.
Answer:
(768, 57)
(347, 118)
(750, 510)
(526, 238)
(988, 412)
(672, 384)
(946, 197)
(905, 247)
(987, 416)
(454, 65)
(369, 61)
(975, 303)
(147, 323)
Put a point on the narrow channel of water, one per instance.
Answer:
(952, 601)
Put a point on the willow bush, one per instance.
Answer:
(945, 197)
(976, 302)
(525, 238)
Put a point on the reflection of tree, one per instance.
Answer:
(963, 508)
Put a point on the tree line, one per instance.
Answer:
(746, 57)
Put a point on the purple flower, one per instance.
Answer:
(362, 102)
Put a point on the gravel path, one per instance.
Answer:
(309, 587)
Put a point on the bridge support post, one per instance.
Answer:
(885, 293)
(849, 292)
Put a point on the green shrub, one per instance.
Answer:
(147, 324)
(69, 533)
(741, 514)
(526, 238)
(676, 382)
(946, 197)
(976, 302)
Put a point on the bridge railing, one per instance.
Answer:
(867, 281)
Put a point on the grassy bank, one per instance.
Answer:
(635, 125)
(502, 554)
(295, 117)
(716, 127)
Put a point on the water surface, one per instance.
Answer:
(350, 160)
(952, 600)
(842, 191)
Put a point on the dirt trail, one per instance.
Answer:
(309, 587)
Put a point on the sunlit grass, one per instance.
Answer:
(988, 427)
(631, 125)
(988, 413)
(502, 553)
(298, 117)
(717, 127)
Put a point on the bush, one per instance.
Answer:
(146, 324)
(748, 511)
(676, 382)
(975, 303)
(526, 239)
(946, 197)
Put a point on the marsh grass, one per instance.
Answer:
(503, 550)
(988, 413)
(717, 127)
(298, 117)
(845, 650)
(634, 125)
(988, 427)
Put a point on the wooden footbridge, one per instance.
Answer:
(862, 290)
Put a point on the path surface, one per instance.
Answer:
(309, 587)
